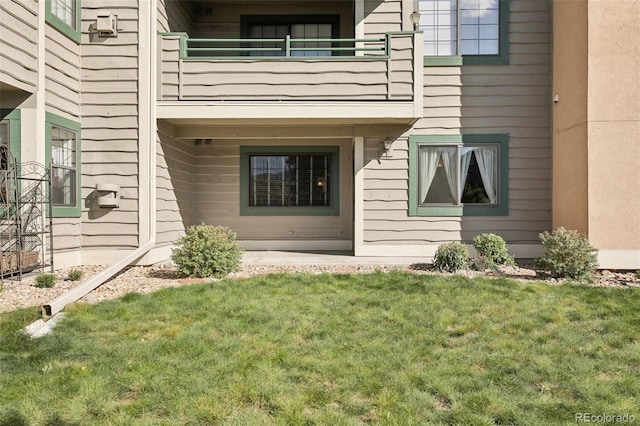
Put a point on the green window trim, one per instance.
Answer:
(501, 209)
(501, 58)
(52, 119)
(332, 210)
(74, 34)
(15, 133)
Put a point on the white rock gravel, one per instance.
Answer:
(144, 280)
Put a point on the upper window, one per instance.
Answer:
(65, 10)
(63, 154)
(65, 16)
(465, 31)
(316, 30)
(455, 175)
(286, 181)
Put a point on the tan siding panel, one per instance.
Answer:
(511, 99)
(18, 50)
(174, 182)
(110, 124)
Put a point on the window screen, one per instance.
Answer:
(290, 180)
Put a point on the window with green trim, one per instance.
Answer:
(289, 181)
(458, 174)
(63, 155)
(65, 16)
(460, 32)
(4, 145)
(10, 136)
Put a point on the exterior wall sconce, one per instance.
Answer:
(415, 19)
(386, 146)
(108, 195)
(106, 25)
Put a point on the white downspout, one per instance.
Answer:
(147, 154)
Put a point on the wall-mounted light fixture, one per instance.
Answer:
(386, 146)
(108, 195)
(415, 19)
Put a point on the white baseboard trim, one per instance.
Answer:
(520, 251)
(103, 257)
(156, 255)
(67, 259)
(619, 259)
(297, 245)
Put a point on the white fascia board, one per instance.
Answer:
(388, 111)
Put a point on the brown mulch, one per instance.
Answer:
(20, 294)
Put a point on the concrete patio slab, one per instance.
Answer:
(323, 258)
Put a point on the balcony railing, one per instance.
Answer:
(281, 47)
(369, 69)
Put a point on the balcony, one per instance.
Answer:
(339, 80)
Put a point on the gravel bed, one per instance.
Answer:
(144, 280)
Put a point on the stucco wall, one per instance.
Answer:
(570, 135)
(614, 124)
(597, 121)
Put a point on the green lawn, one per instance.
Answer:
(287, 349)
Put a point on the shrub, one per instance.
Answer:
(482, 263)
(493, 248)
(567, 254)
(451, 257)
(74, 275)
(45, 280)
(207, 251)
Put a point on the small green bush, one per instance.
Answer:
(567, 254)
(482, 263)
(74, 275)
(45, 280)
(493, 248)
(451, 257)
(206, 251)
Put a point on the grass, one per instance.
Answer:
(330, 349)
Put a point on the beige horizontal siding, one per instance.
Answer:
(174, 16)
(18, 48)
(66, 234)
(382, 17)
(62, 75)
(62, 97)
(512, 99)
(174, 186)
(110, 142)
(222, 20)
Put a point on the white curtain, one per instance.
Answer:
(450, 169)
(486, 159)
(465, 160)
(428, 166)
